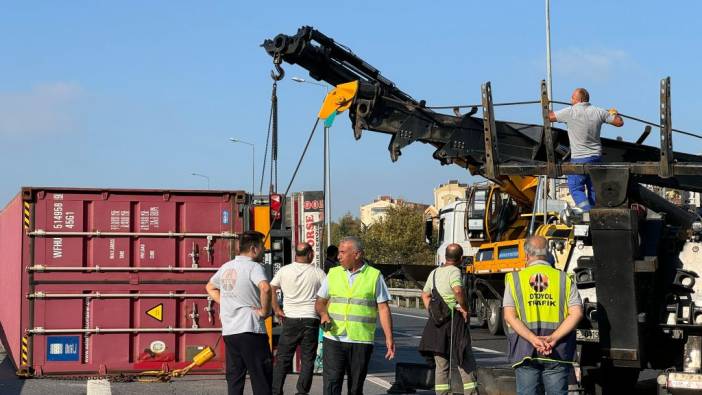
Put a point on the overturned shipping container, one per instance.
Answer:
(111, 281)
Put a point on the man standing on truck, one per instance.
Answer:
(299, 283)
(352, 299)
(450, 340)
(241, 289)
(542, 307)
(584, 126)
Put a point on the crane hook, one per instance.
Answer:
(277, 60)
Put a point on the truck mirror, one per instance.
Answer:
(428, 231)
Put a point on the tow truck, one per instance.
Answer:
(635, 257)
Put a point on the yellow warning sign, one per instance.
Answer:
(156, 312)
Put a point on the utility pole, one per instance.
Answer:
(549, 83)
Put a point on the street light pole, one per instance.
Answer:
(203, 176)
(549, 83)
(253, 161)
(327, 167)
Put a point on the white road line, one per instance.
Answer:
(407, 334)
(481, 349)
(411, 316)
(487, 350)
(98, 387)
(378, 381)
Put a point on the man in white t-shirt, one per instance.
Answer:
(241, 289)
(299, 283)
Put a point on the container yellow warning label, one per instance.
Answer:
(156, 312)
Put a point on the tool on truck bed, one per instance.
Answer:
(635, 268)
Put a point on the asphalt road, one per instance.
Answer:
(490, 351)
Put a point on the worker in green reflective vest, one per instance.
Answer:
(351, 300)
(542, 307)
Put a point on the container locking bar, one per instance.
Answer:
(98, 233)
(98, 295)
(44, 268)
(96, 331)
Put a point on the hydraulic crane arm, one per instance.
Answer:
(380, 106)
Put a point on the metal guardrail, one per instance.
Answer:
(409, 295)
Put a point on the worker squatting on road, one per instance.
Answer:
(584, 123)
(299, 283)
(351, 300)
(241, 289)
(542, 307)
(447, 339)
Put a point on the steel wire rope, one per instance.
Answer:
(691, 134)
(265, 151)
(299, 163)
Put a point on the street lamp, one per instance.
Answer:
(253, 161)
(327, 167)
(203, 176)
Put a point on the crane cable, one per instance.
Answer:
(696, 135)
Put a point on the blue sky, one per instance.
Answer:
(141, 94)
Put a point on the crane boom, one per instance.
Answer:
(380, 106)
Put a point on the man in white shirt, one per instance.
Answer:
(241, 289)
(299, 283)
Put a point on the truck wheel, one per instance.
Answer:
(494, 317)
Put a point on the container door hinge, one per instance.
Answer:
(209, 248)
(194, 255)
(194, 316)
(210, 310)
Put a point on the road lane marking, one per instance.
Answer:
(98, 387)
(407, 334)
(411, 316)
(378, 381)
(481, 349)
(487, 350)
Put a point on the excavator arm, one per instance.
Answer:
(379, 105)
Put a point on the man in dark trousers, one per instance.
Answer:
(352, 299)
(241, 289)
(299, 283)
(449, 341)
(542, 307)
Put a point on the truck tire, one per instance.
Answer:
(495, 321)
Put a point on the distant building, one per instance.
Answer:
(446, 194)
(374, 211)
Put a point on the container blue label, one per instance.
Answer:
(63, 348)
(225, 217)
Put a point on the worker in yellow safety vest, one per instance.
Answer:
(542, 307)
(351, 300)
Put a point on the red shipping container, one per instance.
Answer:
(110, 281)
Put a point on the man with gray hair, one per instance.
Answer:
(542, 307)
(351, 300)
(584, 126)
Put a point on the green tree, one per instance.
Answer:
(398, 238)
(348, 225)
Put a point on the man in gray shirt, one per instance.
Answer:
(241, 289)
(584, 125)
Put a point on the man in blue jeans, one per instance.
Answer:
(542, 307)
(584, 125)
